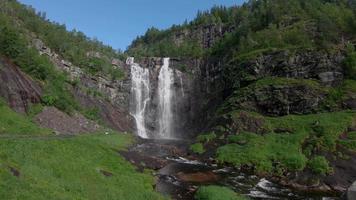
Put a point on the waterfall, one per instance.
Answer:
(165, 94)
(140, 99)
(181, 83)
(140, 95)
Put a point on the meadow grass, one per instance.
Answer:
(15, 123)
(71, 168)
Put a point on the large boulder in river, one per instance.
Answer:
(351, 192)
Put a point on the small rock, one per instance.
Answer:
(106, 173)
(14, 171)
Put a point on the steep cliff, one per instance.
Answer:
(271, 85)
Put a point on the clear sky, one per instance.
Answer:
(118, 22)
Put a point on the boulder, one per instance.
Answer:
(350, 103)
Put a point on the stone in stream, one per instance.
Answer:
(351, 192)
(198, 177)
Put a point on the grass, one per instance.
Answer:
(320, 165)
(290, 151)
(71, 168)
(217, 193)
(15, 123)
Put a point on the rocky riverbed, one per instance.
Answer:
(179, 174)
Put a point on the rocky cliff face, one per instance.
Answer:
(196, 90)
(322, 66)
(201, 85)
(17, 88)
(109, 96)
(284, 82)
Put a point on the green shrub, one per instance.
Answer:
(205, 138)
(351, 135)
(197, 148)
(349, 144)
(217, 193)
(320, 165)
(295, 162)
(350, 62)
(35, 109)
(91, 113)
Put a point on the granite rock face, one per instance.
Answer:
(17, 88)
(322, 66)
(278, 100)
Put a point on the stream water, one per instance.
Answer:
(179, 174)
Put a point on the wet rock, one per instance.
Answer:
(198, 177)
(143, 161)
(351, 192)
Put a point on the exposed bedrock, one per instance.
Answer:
(17, 88)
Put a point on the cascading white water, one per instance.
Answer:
(181, 83)
(140, 95)
(165, 94)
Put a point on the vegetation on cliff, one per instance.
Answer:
(20, 26)
(285, 144)
(252, 27)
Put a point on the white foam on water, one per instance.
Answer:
(165, 94)
(140, 95)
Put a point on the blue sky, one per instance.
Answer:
(118, 22)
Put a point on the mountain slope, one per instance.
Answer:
(276, 83)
